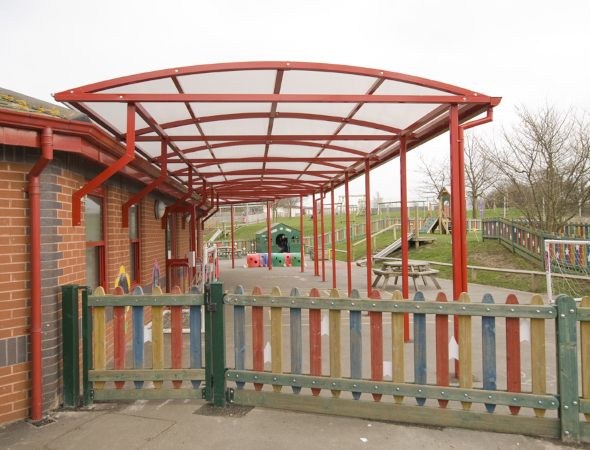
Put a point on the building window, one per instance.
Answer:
(95, 220)
(134, 258)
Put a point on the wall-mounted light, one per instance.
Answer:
(159, 209)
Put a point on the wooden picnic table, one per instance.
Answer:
(416, 269)
(226, 251)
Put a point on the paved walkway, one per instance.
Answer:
(178, 424)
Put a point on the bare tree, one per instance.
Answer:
(377, 198)
(544, 162)
(288, 203)
(436, 175)
(480, 173)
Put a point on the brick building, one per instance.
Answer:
(89, 254)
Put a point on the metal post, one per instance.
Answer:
(268, 235)
(404, 232)
(323, 236)
(302, 245)
(86, 346)
(333, 239)
(462, 210)
(567, 369)
(455, 215)
(218, 345)
(368, 224)
(315, 237)
(233, 262)
(71, 348)
(348, 255)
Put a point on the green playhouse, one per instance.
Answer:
(284, 239)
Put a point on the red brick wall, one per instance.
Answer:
(152, 242)
(67, 247)
(14, 292)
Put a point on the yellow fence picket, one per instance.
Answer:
(465, 353)
(538, 355)
(276, 338)
(335, 342)
(397, 346)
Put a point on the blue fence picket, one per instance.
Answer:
(488, 343)
(356, 344)
(296, 341)
(419, 347)
(138, 337)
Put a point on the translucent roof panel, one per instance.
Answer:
(399, 115)
(292, 151)
(167, 112)
(240, 151)
(160, 86)
(326, 109)
(217, 109)
(302, 126)
(235, 103)
(236, 127)
(234, 82)
(307, 82)
(116, 115)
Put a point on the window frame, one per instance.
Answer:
(100, 192)
(137, 244)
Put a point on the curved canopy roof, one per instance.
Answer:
(266, 130)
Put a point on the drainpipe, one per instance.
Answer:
(35, 232)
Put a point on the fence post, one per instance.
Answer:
(567, 368)
(513, 232)
(71, 351)
(86, 346)
(217, 344)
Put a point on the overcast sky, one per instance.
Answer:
(524, 51)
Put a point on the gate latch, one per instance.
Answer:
(209, 307)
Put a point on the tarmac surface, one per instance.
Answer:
(179, 424)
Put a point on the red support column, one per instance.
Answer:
(323, 236)
(404, 232)
(368, 224)
(268, 235)
(193, 243)
(316, 271)
(301, 229)
(348, 255)
(462, 212)
(333, 239)
(233, 262)
(456, 214)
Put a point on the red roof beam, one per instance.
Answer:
(270, 98)
(264, 115)
(273, 137)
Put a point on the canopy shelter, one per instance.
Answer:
(256, 131)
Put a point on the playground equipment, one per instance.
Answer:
(282, 238)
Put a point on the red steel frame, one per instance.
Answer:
(323, 237)
(404, 232)
(333, 237)
(302, 245)
(348, 262)
(233, 262)
(109, 171)
(461, 105)
(368, 226)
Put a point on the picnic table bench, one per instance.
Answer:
(415, 269)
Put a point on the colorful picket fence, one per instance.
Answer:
(378, 405)
(302, 382)
(132, 383)
(529, 242)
